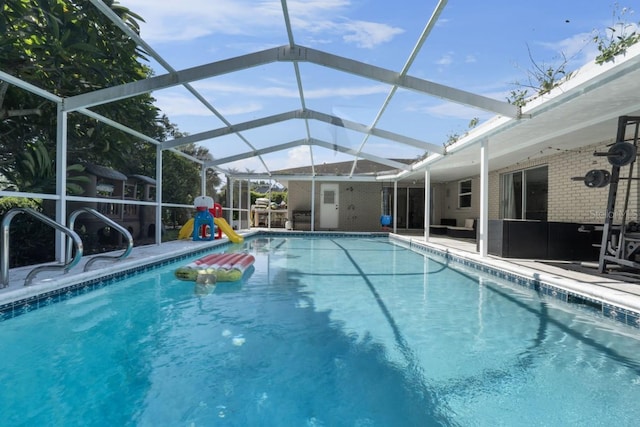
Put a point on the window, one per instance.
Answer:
(524, 194)
(464, 194)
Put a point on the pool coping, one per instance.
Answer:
(613, 304)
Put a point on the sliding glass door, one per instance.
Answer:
(410, 206)
(525, 194)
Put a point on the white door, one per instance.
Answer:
(329, 206)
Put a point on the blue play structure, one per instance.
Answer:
(203, 219)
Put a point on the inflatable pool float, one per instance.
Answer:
(227, 267)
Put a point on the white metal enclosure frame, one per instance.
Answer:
(576, 113)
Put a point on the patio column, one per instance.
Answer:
(230, 196)
(483, 225)
(313, 203)
(395, 206)
(248, 205)
(61, 182)
(239, 204)
(427, 203)
(203, 181)
(158, 236)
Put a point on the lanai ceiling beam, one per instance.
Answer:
(311, 141)
(303, 114)
(227, 130)
(270, 149)
(373, 158)
(288, 53)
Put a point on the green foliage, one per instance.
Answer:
(276, 196)
(454, 137)
(69, 48)
(617, 38)
(518, 97)
(542, 78)
(34, 171)
(451, 139)
(29, 240)
(8, 203)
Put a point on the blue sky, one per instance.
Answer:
(480, 47)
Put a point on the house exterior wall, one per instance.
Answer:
(568, 200)
(448, 199)
(359, 204)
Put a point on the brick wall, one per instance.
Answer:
(571, 201)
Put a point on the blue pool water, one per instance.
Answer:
(323, 332)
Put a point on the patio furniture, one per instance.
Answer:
(441, 229)
(468, 231)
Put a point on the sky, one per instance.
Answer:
(488, 48)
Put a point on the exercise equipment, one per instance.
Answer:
(620, 241)
(595, 178)
(620, 154)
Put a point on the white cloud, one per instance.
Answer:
(578, 49)
(450, 110)
(166, 21)
(174, 105)
(446, 59)
(298, 156)
(369, 34)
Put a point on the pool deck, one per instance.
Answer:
(608, 288)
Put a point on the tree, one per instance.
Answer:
(69, 48)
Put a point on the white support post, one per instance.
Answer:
(248, 204)
(483, 239)
(203, 181)
(239, 204)
(313, 203)
(427, 203)
(61, 182)
(158, 236)
(395, 207)
(230, 188)
(269, 209)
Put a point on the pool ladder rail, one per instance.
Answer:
(71, 258)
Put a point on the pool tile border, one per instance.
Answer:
(610, 311)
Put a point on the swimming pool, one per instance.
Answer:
(337, 331)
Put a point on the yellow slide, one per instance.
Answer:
(186, 232)
(226, 229)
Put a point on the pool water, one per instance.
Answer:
(322, 332)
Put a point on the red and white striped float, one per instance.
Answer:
(228, 267)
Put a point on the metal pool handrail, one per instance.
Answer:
(4, 244)
(111, 223)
